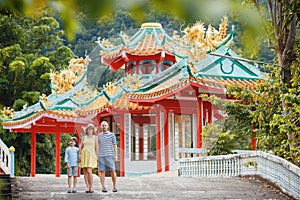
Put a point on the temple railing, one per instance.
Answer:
(7, 159)
(275, 169)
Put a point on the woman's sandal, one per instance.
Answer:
(91, 191)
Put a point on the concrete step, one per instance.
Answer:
(5, 187)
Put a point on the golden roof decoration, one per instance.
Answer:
(200, 39)
(64, 80)
(109, 88)
(106, 43)
(7, 113)
(44, 100)
(82, 96)
(132, 82)
(121, 102)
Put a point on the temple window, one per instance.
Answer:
(165, 65)
(147, 67)
(183, 131)
(130, 69)
(143, 138)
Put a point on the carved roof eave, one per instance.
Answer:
(32, 117)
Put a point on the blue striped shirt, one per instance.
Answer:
(106, 142)
(71, 156)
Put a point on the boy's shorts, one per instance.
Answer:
(72, 171)
(106, 161)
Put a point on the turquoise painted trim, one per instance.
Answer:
(107, 49)
(113, 98)
(229, 37)
(163, 41)
(61, 108)
(122, 39)
(42, 105)
(106, 95)
(12, 164)
(158, 42)
(21, 118)
(135, 35)
(80, 80)
(226, 77)
(141, 36)
(231, 70)
(209, 67)
(177, 67)
(246, 69)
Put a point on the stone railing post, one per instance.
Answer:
(12, 161)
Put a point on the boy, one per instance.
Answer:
(71, 160)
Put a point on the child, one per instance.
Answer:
(71, 160)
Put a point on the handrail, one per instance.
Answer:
(277, 170)
(6, 158)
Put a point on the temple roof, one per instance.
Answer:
(152, 39)
(207, 68)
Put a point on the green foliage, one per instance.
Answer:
(29, 50)
(251, 163)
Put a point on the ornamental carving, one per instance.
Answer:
(111, 89)
(7, 113)
(198, 40)
(132, 82)
(83, 96)
(44, 100)
(64, 80)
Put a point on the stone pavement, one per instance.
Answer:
(157, 186)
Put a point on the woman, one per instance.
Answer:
(88, 155)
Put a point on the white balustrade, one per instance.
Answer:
(4, 158)
(245, 163)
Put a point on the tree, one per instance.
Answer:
(29, 49)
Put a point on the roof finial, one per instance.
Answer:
(151, 25)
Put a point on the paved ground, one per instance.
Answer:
(158, 186)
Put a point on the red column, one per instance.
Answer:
(158, 146)
(199, 119)
(57, 167)
(122, 157)
(33, 154)
(166, 142)
(141, 142)
(253, 139)
(78, 141)
(253, 143)
(210, 113)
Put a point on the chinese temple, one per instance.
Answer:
(156, 108)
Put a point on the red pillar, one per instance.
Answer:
(158, 146)
(253, 143)
(33, 154)
(253, 139)
(78, 142)
(141, 142)
(57, 167)
(122, 156)
(210, 113)
(199, 119)
(166, 142)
